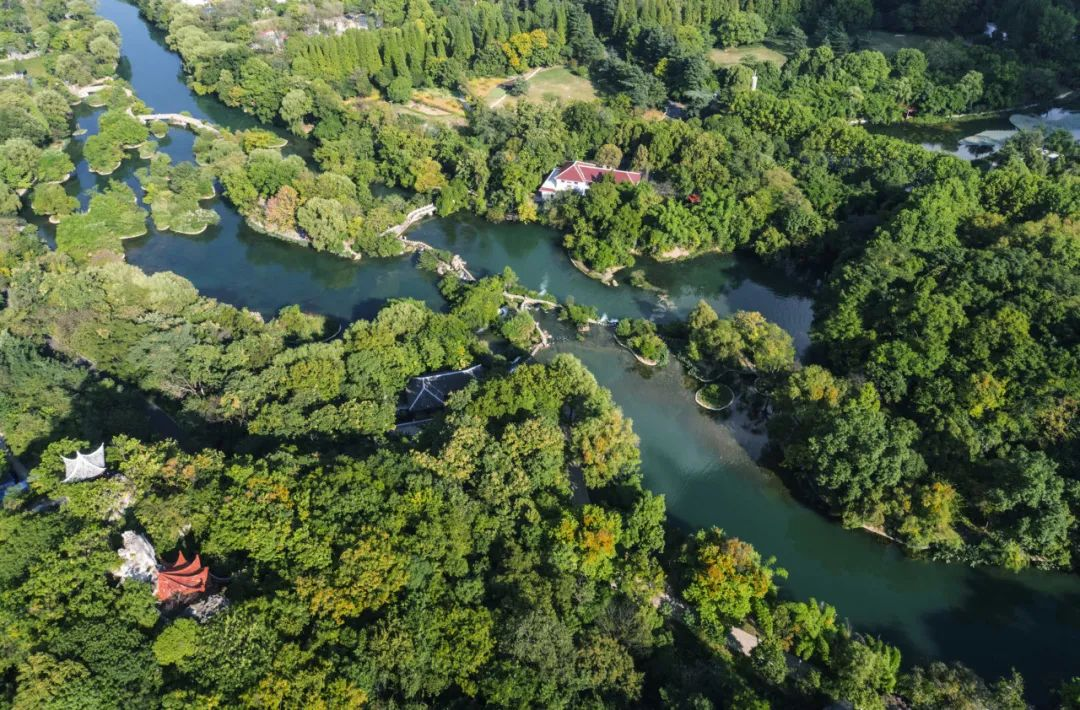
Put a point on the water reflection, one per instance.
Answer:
(973, 138)
(986, 618)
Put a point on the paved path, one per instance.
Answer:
(526, 77)
(412, 218)
(179, 119)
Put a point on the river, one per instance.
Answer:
(978, 136)
(704, 464)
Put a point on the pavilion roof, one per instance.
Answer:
(84, 467)
(428, 392)
(182, 578)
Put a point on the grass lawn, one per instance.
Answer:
(35, 67)
(889, 43)
(487, 88)
(735, 55)
(553, 82)
(561, 83)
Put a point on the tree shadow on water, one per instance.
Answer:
(1028, 621)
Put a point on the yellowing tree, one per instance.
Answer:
(519, 48)
(608, 447)
(427, 175)
(726, 576)
(366, 576)
(589, 543)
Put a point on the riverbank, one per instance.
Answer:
(641, 359)
(606, 277)
(991, 113)
(968, 136)
(178, 230)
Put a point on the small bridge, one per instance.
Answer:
(412, 218)
(456, 265)
(179, 119)
(176, 119)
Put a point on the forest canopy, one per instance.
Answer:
(503, 549)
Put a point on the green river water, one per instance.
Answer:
(974, 137)
(703, 464)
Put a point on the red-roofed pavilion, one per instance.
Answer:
(182, 579)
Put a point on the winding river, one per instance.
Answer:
(705, 465)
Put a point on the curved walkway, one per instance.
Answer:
(178, 119)
(522, 77)
(456, 264)
(412, 218)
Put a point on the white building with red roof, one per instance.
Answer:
(578, 175)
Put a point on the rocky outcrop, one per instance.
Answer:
(139, 559)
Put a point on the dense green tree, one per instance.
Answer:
(745, 341)
(726, 576)
(863, 670)
(955, 686)
(738, 28)
(51, 199)
(19, 160)
(641, 337)
(324, 223)
(111, 216)
(399, 90)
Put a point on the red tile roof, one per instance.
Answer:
(579, 171)
(182, 578)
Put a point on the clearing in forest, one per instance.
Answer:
(735, 55)
(437, 101)
(558, 82)
(432, 107)
(428, 115)
(889, 43)
(33, 66)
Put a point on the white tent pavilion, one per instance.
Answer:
(84, 467)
